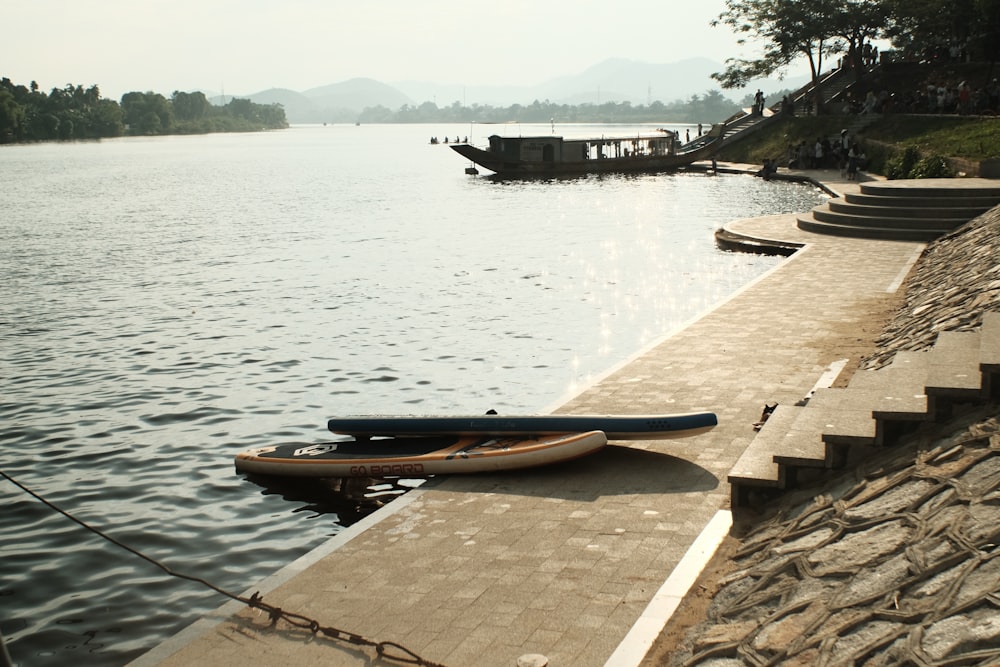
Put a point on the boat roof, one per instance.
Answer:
(622, 137)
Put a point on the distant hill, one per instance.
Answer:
(356, 94)
(614, 80)
(294, 103)
(335, 103)
(636, 82)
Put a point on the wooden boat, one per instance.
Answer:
(616, 427)
(549, 156)
(417, 457)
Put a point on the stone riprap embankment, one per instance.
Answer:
(898, 560)
(956, 280)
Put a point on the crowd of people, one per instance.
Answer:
(962, 99)
(842, 152)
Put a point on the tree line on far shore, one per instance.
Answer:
(74, 112)
(712, 107)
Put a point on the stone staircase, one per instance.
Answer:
(736, 128)
(905, 210)
(832, 87)
(837, 427)
(743, 124)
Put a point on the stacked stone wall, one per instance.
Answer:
(897, 563)
(954, 282)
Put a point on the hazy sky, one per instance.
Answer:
(245, 46)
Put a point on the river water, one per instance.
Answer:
(168, 302)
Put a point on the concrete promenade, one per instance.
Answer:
(581, 563)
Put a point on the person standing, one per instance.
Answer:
(964, 98)
(856, 161)
(844, 148)
(805, 159)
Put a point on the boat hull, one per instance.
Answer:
(505, 167)
(417, 457)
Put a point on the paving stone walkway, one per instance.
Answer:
(565, 561)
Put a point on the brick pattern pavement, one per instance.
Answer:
(562, 561)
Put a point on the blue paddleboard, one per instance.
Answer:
(616, 427)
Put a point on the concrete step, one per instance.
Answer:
(809, 223)
(931, 187)
(905, 210)
(989, 343)
(839, 214)
(824, 433)
(977, 203)
(893, 394)
(756, 466)
(852, 424)
(954, 370)
(837, 425)
(801, 445)
(909, 366)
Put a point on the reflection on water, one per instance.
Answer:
(166, 303)
(350, 499)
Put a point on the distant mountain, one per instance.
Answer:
(614, 80)
(335, 103)
(357, 94)
(294, 103)
(636, 82)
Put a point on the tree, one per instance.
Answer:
(12, 117)
(272, 115)
(242, 108)
(928, 29)
(988, 35)
(106, 119)
(44, 126)
(146, 113)
(75, 112)
(858, 22)
(190, 106)
(788, 29)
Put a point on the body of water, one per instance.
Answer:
(168, 302)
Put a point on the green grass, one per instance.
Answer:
(975, 138)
